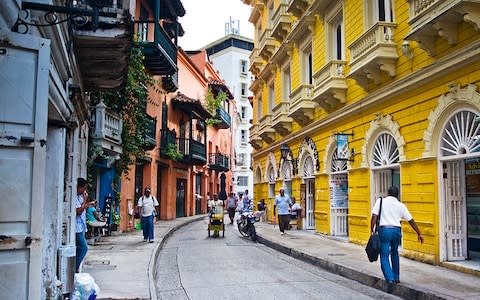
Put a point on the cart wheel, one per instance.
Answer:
(223, 233)
(208, 232)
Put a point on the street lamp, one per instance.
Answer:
(286, 155)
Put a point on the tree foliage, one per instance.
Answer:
(214, 103)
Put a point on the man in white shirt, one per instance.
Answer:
(283, 203)
(146, 205)
(390, 233)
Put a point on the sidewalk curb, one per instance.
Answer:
(401, 290)
(153, 258)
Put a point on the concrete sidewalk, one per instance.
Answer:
(122, 265)
(418, 280)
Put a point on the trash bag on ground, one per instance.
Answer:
(85, 287)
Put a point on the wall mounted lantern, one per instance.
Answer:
(287, 155)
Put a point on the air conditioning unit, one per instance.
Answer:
(66, 267)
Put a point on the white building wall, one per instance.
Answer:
(228, 63)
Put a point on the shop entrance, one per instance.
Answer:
(461, 182)
(180, 210)
(310, 205)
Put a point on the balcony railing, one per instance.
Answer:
(281, 21)
(434, 19)
(302, 107)
(150, 136)
(373, 52)
(167, 137)
(256, 62)
(194, 152)
(267, 44)
(224, 117)
(159, 50)
(330, 85)
(108, 129)
(281, 122)
(218, 162)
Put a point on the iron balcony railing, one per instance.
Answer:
(218, 161)
(224, 117)
(194, 152)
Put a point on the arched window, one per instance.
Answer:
(337, 165)
(385, 151)
(461, 134)
(308, 168)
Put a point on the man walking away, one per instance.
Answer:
(231, 206)
(390, 233)
(81, 205)
(283, 203)
(147, 205)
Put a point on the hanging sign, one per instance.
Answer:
(342, 147)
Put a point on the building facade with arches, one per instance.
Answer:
(350, 98)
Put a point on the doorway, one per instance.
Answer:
(180, 210)
(338, 196)
(310, 205)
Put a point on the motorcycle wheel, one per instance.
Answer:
(241, 229)
(253, 233)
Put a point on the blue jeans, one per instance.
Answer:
(390, 238)
(147, 226)
(82, 248)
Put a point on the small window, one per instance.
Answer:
(243, 66)
(243, 134)
(287, 84)
(243, 112)
(243, 90)
(242, 180)
(271, 96)
(242, 161)
(307, 65)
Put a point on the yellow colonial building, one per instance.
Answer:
(353, 96)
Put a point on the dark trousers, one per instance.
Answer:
(147, 226)
(283, 222)
(231, 213)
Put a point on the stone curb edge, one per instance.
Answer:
(401, 290)
(153, 258)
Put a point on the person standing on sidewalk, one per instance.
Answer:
(231, 206)
(81, 205)
(283, 203)
(390, 233)
(147, 205)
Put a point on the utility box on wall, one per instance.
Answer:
(66, 267)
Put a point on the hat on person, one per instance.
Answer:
(147, 189)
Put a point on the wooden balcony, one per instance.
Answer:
(298, 7)
(224, 117)
(434, 19)
(150, 136)
(301, 105)
(107, 132)
(282, 22)
(281, 122)
(256, 62)
(159, 50)
(374, 52)
(267, 45)
(194, 152)
(103, 54)
(330, 85)
(167, 137)
(266, 132)
(218, 162)
(255, 139)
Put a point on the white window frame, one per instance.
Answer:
(243, 112)
(243, 89)
(333, 19)
(242, 180)
(243, 67)
(243, 136)
(372, 15)
(307, 62)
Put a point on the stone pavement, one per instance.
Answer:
(123, 264)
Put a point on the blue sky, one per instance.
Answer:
(204, 21)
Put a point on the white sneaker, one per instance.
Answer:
(282, 233)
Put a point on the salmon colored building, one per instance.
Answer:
(187, 159)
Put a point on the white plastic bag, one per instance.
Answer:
(85, 287)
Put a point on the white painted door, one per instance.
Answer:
(310, 209)
(24, 65)
(382, 181)
(339, 204)
(455, 210)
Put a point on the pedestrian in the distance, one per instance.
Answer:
(283, 203)
(390, 233)
(231, 206)
(247, 201)
(147, 210)
(81, 205)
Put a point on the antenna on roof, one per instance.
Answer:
(232, 27)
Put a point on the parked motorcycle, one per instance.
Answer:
(246, 225)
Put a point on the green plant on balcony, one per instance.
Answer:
(214, 103)
(172, 153)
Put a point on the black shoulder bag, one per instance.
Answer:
(373, 245)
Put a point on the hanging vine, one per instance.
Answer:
(214, 103)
